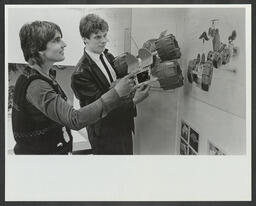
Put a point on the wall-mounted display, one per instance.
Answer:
(183, 147)
(200, 71)
(193, 139)
(189, 140)
(184, 130)
(191, 151)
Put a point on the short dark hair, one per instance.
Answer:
(34, 38)
(90, 24)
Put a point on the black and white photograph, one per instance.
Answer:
(184, 130)
(118, 111)
(194, 139)
(108, 92)
(183, 147)
(191, 151)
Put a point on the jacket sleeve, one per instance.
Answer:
(84, 88)
(87, 91)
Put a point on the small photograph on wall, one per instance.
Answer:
(183, 147)
(214, 150)
(184, 130)
(194, 139)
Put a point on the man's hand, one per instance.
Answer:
(141, 93)
(125, 85)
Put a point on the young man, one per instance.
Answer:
(94, 76)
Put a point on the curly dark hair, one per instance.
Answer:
(90, 24)
(34, 38)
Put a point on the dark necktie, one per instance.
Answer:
(106, 67)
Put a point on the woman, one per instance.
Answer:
(40, 111)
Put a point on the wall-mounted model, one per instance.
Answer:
(200, 72)
(156, 61)
(140, 66)
(222, 52)
(165, 51)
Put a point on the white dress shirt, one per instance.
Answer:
(96, 58)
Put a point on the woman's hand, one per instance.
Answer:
(125, 85)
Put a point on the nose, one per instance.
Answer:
(63, 44)
(105, 39)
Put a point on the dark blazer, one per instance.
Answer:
(113, 133)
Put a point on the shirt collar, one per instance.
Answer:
(94, 56)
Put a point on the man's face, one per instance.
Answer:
(97, 42)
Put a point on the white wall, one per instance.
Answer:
(67, 19)
(218, 115)
(119, 20)
(157, 116)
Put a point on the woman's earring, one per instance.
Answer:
(41, 53)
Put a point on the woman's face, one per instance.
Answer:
(54, 49)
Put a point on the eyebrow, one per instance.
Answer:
(57, 37)
(101, 34)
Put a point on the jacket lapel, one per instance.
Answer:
(97, 74)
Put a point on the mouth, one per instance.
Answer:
(62, 52)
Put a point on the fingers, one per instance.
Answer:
(131, 83)
(147, 88)
(125, 86)
(131, 75)
(142, 89)
(135, 88)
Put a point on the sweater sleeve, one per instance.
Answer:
(44, 98)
